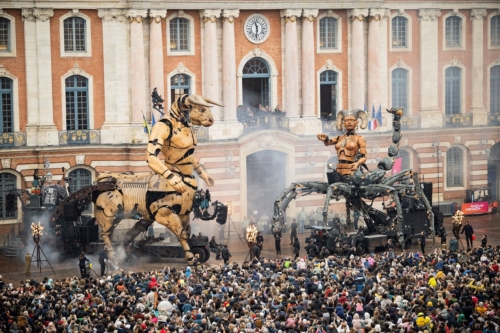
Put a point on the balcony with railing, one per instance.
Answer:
(12, 139)
(410, 122)
(494, 119)
(457, 120)
(329, 128)
(265, 122)
(79, 137)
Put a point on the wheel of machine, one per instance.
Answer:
(494, 211)
(207, 253)
(408, 242)
(199, 251)
(360, 248)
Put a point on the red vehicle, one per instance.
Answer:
(481, 203)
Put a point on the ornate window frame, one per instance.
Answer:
(409, 30)
(12, 38)
(329, 66)
(488, 82)
(15, 96)
(490, 17)
(19, 181)
(463, 79)
(76, 70)
(257, 52)
(180, 69)
(403, 65)
(88, 35)
(181, 14)
(465, 169)
(338, 48)
(463, 30)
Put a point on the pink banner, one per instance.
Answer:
(475, 208)
(397, 165)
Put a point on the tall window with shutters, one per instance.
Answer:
(5, 40)
(8, 203)
(454, 167)
(453, 78)
(6, 105)
(78, 179)
(495, 89)
(179, 34)
(77, 103)
(399, 86)
(405, 162)
(328, 33)
(495, 31)
(453, 31)
(75, 39)
(399, 32)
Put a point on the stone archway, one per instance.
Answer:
(494, 170)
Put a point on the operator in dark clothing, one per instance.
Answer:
(260, 241)
(422, 242)
(467, 229)
(256, 251)
(82, 260)
(225, 255)
(293, 231)
(277, 240)
(103, 256)
(215, 248)
(296, 248)
(312, 250)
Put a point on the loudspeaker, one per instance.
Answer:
(69, 212)
(468, 196)
(427, 188)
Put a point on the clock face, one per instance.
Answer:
(257, 28)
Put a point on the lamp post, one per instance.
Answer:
(438, 157)
(229, 204)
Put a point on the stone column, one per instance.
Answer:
(477, 109)
(357, 58)
(291, 94)
(156, 75)
(40, 129)
(116, 57)
(137, 63)
(210, 59)
(374, 50)
(229, 90)
(308, 68)
(430, 115)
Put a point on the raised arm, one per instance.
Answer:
(326, 140)
(202, 172)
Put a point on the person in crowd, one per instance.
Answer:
(302, 218)
(103, 258)
(215, 247)
(356, 216)
(293, 231)
(469, 232)
(296, 247)
(260, 240)
(337, 223)
(82, 259)
(453, 244)
(312, 217)
(241, 115)
(484, 241)
(277, 240)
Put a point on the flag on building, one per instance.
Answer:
(398, 163)
(145, 124)
(153, 120)
(379, 115)
(372, 124)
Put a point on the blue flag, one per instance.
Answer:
(379, 114)
(373, 112)
(145, 124)
(153, 121)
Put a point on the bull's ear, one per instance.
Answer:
(211, 101)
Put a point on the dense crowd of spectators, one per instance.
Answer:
(254, 116)
(444, 291)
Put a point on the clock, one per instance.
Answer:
(257, 28)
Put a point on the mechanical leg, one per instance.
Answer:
(108, 205)
(179, 226)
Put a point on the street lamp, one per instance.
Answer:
(438, 157)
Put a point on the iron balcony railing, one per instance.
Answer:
(79, 137)
(12, 139)
(494, 119)
(410, 122)
(266, 122)
(457, 120)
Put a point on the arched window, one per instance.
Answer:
(78, 179)
(5, 43)
(452, 90)
(400, 88)
(405, 163)
(454, 167)
(328, 95)
(77, 103)
(179, 85)
(453, 31)
(6, 107)
(256, 77)
(8, 202)
(399, 31)
(328, 33)
(495, 30)
(256, 67)
(75, 35)
(179, 34)
(495, 89)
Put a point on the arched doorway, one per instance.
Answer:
(256, 84)
(266, 179)
(328, 93)
(494, 170)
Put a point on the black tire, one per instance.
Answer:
(199, 251)
(494, 211)
(360, 248)
(207, 253)
(130, 258)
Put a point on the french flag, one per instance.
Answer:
(372, 124)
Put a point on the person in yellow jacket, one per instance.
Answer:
(440, 275)
(432, 282)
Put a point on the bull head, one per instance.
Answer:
(199, 110)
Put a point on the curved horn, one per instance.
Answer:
(211, 101)
(364, 118)
(197, 100)
(340, 120)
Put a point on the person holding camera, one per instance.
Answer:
(103, 257)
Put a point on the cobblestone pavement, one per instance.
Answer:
(13, 269)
